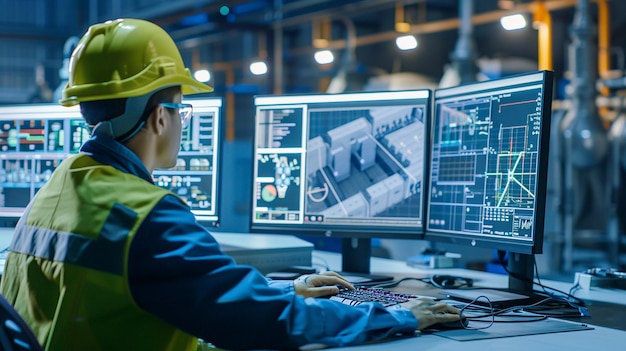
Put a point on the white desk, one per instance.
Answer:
(485, 279)
(599, 338)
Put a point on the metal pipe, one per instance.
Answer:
(463, 55)
(277, 67)
(542, 21)
(604, 39)
(589, 144)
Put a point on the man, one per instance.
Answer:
(103, 259)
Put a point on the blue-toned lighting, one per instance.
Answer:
(195, 20)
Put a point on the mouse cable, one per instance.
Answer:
(395, 283)
(473, 303)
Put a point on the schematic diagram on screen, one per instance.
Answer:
(484, 165)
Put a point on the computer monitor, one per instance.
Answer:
(488, 168)
(347, 165)
(35, 139)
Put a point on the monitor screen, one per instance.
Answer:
(196, 174)
(488, 165)
(34, 139)
(348, 164)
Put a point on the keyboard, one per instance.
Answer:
(364, 294)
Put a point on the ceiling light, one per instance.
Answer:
(406, 42)
(258, 68)
(324, 57)
(513, 22)
(202, 75)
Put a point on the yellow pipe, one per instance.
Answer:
(604, 61)
(542, 20)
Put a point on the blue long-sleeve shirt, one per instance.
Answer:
(178, 272)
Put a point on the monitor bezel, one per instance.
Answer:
(543, 78)
(333, 230)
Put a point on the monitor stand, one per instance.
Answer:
(355, 264)
(519, 291)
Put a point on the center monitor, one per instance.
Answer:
(345, 165)
(488, 168)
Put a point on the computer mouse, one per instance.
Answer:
(460, 324)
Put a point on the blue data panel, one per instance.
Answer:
(35, 139)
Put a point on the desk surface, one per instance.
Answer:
(599, 338)
(607, 307)
(394, 267)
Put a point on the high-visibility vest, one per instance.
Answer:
(67, 272)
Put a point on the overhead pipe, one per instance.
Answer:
(441, 25)
(278, 24)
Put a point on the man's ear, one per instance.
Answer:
(157, 121)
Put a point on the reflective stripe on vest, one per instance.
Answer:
(104, 253)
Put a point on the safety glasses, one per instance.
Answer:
(184, 110)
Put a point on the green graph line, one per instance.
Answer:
(511, 177)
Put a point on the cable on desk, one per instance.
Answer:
(473, 318)
(436, 280)
(324, 264)
(394, 283)
(473, 311)
(492, 313)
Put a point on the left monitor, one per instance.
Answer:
(35, 139)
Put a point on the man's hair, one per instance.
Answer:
(103, 110)
(163, 95)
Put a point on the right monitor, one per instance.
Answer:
(488, 163)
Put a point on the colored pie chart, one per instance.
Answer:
(268, 193)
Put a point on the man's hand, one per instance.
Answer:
(429, 312)
(323, 284)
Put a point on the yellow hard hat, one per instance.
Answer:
(126, 58)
